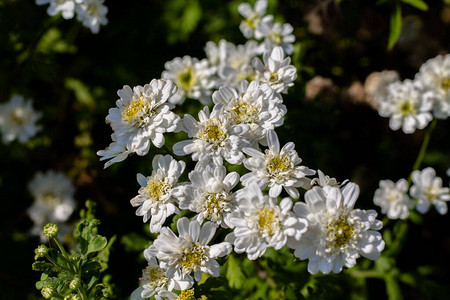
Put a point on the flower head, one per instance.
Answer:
(275, 34)
(393, 199)
(92, 14)
(427, 189)
(66, 7)
(337, 233)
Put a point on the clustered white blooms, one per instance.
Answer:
(91, 13)
(412, 104)
(53, 201)
(426, 190)
(18, 120)
(243, 86)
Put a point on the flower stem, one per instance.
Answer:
(423, 149)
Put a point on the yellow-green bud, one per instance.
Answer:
(72, 297)
(51, 230)
(75, 284)
(47, 292)
(40, 251)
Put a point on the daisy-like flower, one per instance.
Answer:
(184, 295)
(154, 280)
(65, 7)
(275, 34)
(214, 138)
(53, 200)
(434, 76)
(427, 189)
(256, 105)
(189, 251)
(158, 193)
(143, 114)
(259, 223)
(337, 233)
(393, 199)
(276, 168)
(18, 120)
(210, 194)
(194, 79)
(406, 106)
(92, 14)
(252, 17)
(276, 71)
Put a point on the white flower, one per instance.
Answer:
(66, 7)
(434, 76)
(275, 34)
(189, 251)
(158, 193)
(154, 280)
(276, 70)
(214, 137)
(184, 295)
(427, 189)
(92, 14)
(210, 194)
(53, 199)
(375, 86)
(276, 168)
(18, 120)
(252, 17)
(393, 199)
(255, 105)
(142, 115)
(325, 181)
(194, 79)
(406, 106)
(337, 234)
(260, 223)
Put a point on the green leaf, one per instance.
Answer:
(96, 244)
(393, 288)
(419, 4)
(234, 273)
(81, 91)
(396, 26)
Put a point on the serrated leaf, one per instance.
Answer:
(419, 4)
(396, 26)
(234, 273)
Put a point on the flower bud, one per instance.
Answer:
(40, 251)
(51, 230)
(47, 292)
(75, 283)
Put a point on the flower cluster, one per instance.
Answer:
(412, 104)
(91, 13)
(427, 190)
(18, 120)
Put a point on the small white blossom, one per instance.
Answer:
(427, 189)
(275, 34)
(256, 105)
(210, 194)
(252, 17)
(18, 120)
(159, 192)
(142, 115)
(393, 199)
(259, 223)
(406, 106)
(65, 7)
(276, 70)
(434, 76)
(213, 138)
(337, 234)
(155, 281)
(325, 181)
(194, 79)
(184, 295)
(92, 14)
(276, 168)
(53, 200)
(375, 86)
(189, 251)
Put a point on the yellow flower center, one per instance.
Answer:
(244, 113)
(445, 84)
(275, 37)
(212, 131)
(192, 257)
(268, 222)
(432, 193)
(51, 199)
(137, 111)
(187, 79)
(156, 189)
(277, 165)
(407, 108)
(252, 20)
(340, 231)
(18, 116)
(154, 276)
(186, 295)
(214, 205)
